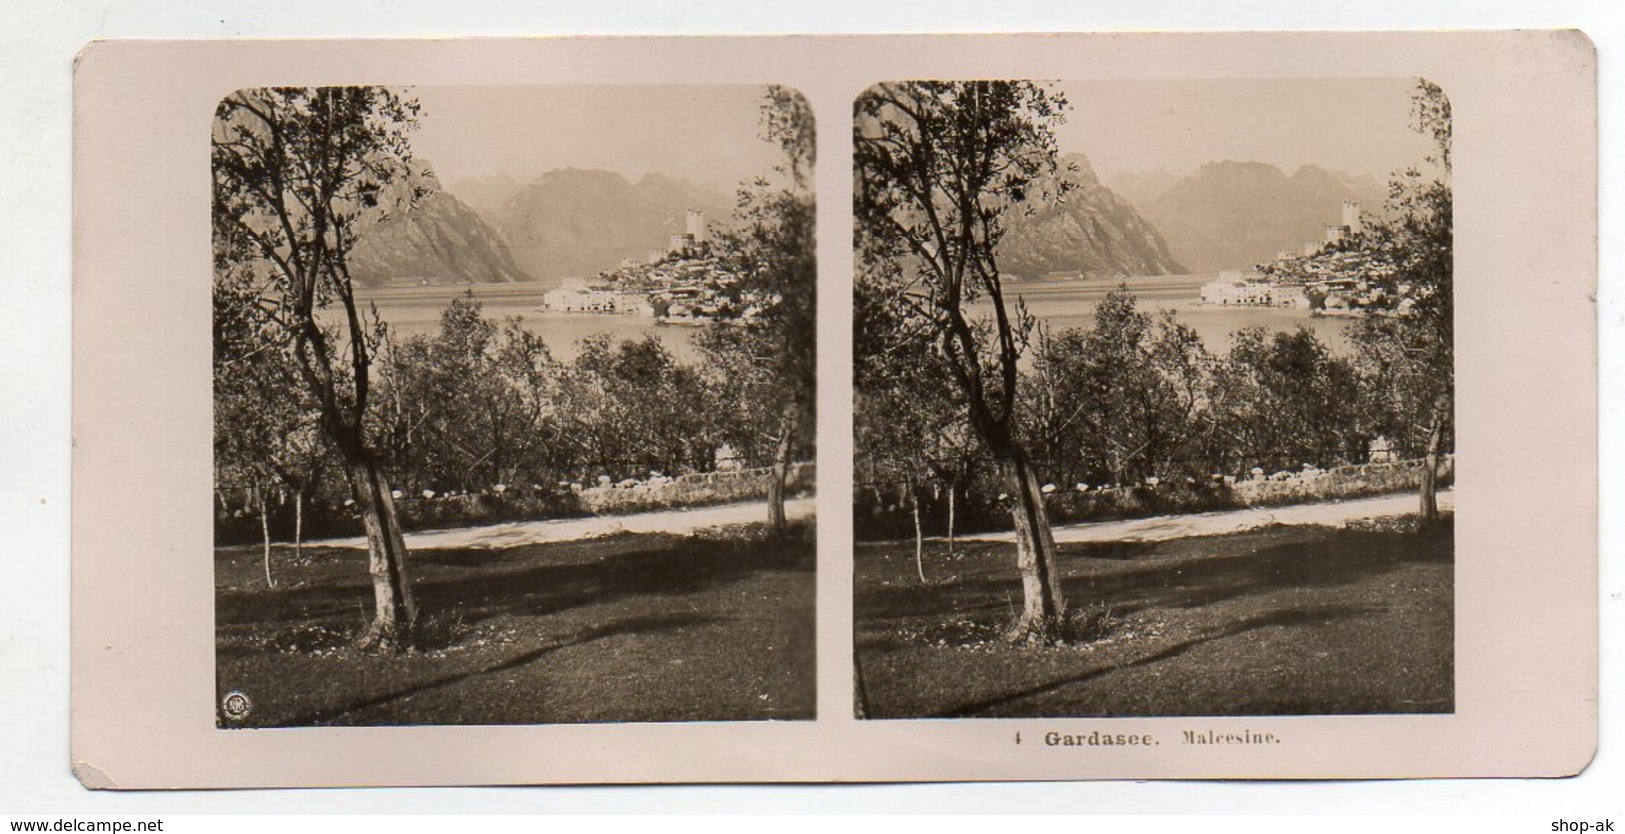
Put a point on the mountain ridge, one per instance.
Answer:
(1090, 232)
(1231, 214)
(441, 240)
(566, 222)
(580, 221)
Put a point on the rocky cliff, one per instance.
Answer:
(440, 241)
(1091, 232)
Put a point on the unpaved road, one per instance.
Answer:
(1161, 528)
(519, 533)
(682, 522)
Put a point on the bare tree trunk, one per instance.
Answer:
(1430, 465)
(265, 536)
(919, 532)
(394, 613)
(952, 488)
(299, 522)
(1042, 603)
(777, 523)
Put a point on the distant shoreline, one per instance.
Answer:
(1059, 303)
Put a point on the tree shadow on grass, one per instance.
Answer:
(1330, 559)
(1192, 573)
(669, 568)
(1282, 617)
(637, 625)
(532, 580)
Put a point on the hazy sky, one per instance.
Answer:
(1357, 125)
(710, 134)
(707, 134)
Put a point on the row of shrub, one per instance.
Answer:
(482, 407)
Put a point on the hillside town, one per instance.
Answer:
(1335, 276)
(685, 284)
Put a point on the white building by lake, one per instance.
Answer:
(574, 296)
(1234, 289)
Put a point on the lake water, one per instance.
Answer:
(1072, 303)
(411, 311)
(414, 310)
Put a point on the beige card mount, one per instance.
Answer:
(644, 484)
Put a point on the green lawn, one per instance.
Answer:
(1278, 621)
(624, 628)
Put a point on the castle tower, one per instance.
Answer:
(1351, 216)
(1335, 233)
(696, 225)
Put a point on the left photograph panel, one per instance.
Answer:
(513, 405)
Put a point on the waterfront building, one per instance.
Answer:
(1230, 290)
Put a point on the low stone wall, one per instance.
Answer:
(1341, 482)
(1301, 487)
(690, 490)
(417, 513)
(1069, 506)
(629, 496)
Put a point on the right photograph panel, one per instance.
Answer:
(1154, 397)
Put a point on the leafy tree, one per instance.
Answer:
(630, 407)
(467, 408)
(266, 434)
(1122, 401)
(299, 174)
(767, 355)
(938, 165)
(1410, 352)
(1283, 400)
(524, 360)
(910, 429)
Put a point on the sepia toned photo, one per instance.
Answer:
(513, 396)
(467, 428)
(1154, 396)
